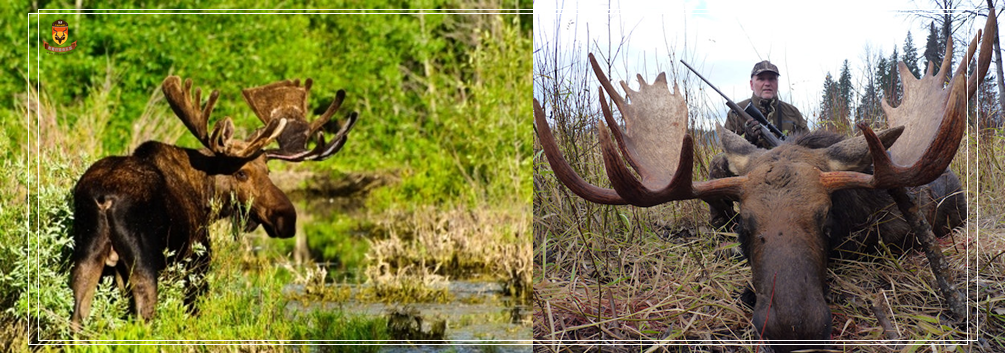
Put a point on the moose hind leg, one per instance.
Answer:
(140, 279)
(84, 278)
(144, 287)
(136, 271)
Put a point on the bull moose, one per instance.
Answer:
(801, 202)
(130, 210)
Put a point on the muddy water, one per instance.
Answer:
(478, 316)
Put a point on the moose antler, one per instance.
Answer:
(220, 141)
(655, 143)
(934, 119)
(288, 100)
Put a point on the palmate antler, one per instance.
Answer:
(655, 143)
(220, 141)
(288, 100)
(934, 118)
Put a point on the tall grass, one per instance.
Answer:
(661, 277)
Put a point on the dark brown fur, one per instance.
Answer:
(129, 210)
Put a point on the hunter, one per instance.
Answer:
(764, 84)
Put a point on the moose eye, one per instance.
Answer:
(241, 175)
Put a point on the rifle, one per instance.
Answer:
(750, 113)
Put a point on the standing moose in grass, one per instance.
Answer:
(801, 200)
(130, 210)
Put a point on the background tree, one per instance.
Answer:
(845, 90)
(934, 48)
(833, 111)
(1000, 76)
(868, 109)
(911, 55)
(889, 80)
(943, 23)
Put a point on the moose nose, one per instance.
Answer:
(285, 226)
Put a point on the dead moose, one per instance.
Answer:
(803, 200)
(130, 210)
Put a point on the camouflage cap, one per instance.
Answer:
(764, 66)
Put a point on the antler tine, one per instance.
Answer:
(253, 147)
(337, 103)
(181, 102)
(322, 150)
(618, 101)
(223, 133)
(337, 142)
(564, 172)
(991, 31)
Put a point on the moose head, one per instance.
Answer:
(282, 107)
(785, 194)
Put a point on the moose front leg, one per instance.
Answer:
(940, 268)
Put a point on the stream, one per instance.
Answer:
(477, 316)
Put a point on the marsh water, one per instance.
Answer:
(478, 315)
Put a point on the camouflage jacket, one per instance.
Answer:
(783, 115)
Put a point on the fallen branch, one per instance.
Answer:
(940, 267)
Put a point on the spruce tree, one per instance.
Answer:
(933, 50)
(844, 90)
(829, 100)
(892, 90)
(911, 56)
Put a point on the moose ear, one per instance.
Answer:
(738, 150)
(223, 132)
(853, 154)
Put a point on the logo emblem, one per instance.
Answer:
(60, 30)
(60, 35)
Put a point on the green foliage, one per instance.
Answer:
(442, 106)
(337, 243)
(424, 84)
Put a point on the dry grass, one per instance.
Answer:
(659, 276)
(418, 251)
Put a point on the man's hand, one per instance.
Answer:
(752, 130)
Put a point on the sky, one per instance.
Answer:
(723, 39)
